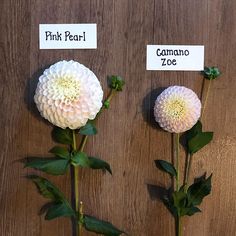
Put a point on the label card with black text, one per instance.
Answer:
(68, 36)
(175, 57)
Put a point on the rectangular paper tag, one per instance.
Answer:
(68, 36)
(175, 57)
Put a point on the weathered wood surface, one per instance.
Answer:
(127, 138)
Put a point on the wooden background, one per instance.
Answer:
(127, 137)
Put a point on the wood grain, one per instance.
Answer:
(128, 139)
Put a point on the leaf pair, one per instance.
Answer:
(65, 136)
(53, 166)
(182, 203)
(60, 207)
(60, 164)
(81, 159)
(196, 139)
(181, 206)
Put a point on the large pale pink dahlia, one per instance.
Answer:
(177, 109)
(68, 94)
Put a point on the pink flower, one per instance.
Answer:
(68, 94)
(177, 109)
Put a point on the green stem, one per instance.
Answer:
(177, 160)
(85, 137)
(207, 94)
(83, 143)
(179, 226)
(81, 215)
(108, 99)
(76, 168)
(79, 208)
(189, 165)
(76, 179)
(110, 96)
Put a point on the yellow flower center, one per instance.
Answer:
(68, 86)
(175, 108)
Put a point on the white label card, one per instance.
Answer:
(68, 36)
(175, 57)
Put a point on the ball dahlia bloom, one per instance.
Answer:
(177, 109)
(68, 94)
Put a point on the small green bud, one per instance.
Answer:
(116, 82)
(211, 73)
(106, 104)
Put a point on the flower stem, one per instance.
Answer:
(188, 168)
(108, 99)
(79, 208)
(207, 95)
(179, 226)
(81, 216)
(177, 159)
(83, 143)
(76, 179)
(110, 96)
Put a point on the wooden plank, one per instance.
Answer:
(14, 43)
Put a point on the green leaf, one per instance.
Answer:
(116, 82)
(51, 166)
(60, 152)
(88, 129)
(179, 199)
(80, 158)
(59, 205)
(46, 188)
(96, 163)
(63, 136)
(190, 211)
(178, 204)
(196, 139)
(197, 191)
(196, 129)
(100, 227)
(168, 201)
(199, 141)
(167, 167)
(181, 203)
(58, 210)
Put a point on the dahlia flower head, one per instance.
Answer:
(68, 94)
(177, 109)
